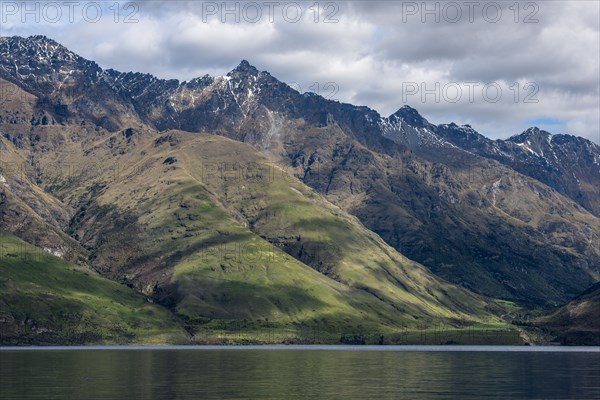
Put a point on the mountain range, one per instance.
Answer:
(236, 199)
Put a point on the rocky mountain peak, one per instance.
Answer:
(533, 134)
(244, 69)
(36, 48)
(410, 116)
(43, 65)
(533, 140)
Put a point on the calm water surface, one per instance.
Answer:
(347, 372)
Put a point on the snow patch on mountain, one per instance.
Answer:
(526, 147)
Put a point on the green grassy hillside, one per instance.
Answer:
(217, 233)
(45, 300)
(220, 236)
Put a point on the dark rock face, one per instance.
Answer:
(506, 218)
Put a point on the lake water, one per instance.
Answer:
(301, 372)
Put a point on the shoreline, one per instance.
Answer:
(325, 347)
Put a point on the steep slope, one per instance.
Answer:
(26, 210)
(474, 222)
(218, 241)
(45, 300)
(578, 321)
(468, 218)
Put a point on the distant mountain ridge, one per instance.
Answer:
(515, 219)
(549, 158)
(569, 164)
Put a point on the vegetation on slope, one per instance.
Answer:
(45, 300)
(180, 223)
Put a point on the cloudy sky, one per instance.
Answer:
(499, 66)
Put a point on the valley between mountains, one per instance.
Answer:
(141, 210)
